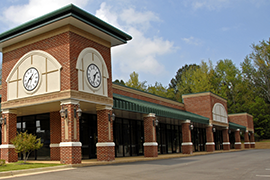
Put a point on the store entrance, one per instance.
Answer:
(218, 140)
(88, 135)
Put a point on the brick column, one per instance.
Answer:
(55, 135)
(150, 140)
(210, 144)
(186, 136)
(70, 146)
(226, 139)
(246, 139)
(252, 140)
(237, 144)
(105, 145)
(9, 131)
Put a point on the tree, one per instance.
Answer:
(135, 83)
(26, 143)
(121, 82)
(260, 59)
(160, 90)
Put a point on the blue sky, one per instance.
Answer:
(166, 34)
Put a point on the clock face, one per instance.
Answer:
(93, 75)
(30, 79)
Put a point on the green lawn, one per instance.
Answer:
(19, 166)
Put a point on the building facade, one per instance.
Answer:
(57, 84)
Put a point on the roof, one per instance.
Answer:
(135, 105)
(60, 14)
(236, 126)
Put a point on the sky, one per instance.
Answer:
(166, 35)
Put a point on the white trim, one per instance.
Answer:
(150, 144)
(247, 131)
(69, 101)
(210, 143)
(9, 111)
(6, 146)
(151, 115)
(252, 142)
(237, 143)
(187, 144)
(187, 121)
(226, 143)
(70, 144)
(102, 107)
(54, 145)
(237, 129)
(105, 144)
(247, 143)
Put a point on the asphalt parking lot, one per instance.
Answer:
(249, 164)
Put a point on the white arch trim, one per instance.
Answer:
(94, 51)
(34, 52)
(220, 113)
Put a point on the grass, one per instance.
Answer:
(19, 166)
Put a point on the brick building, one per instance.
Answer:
(57, 84)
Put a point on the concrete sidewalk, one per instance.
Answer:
(94, 162)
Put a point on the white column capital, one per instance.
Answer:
(69, 101)
(9, 111)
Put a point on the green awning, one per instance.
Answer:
(236, 126)
(135, 105)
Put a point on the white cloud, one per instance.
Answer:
(191, 40)
(18, 14)
(141, 53)
(208, 4)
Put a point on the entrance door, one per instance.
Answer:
(88, 135)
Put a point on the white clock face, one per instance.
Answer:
(30, 79)
(93, 75)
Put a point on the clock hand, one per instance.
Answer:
(95, 75)
(29, 80)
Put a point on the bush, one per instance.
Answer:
(2, 162)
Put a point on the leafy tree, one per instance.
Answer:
(160, 90)
(119, 82)
(26, 143)
(260, 59)
(135, 83)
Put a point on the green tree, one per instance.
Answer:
(119, 82)
(135, 83)
(160, 90)
(26, 143)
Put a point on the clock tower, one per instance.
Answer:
(60, 62)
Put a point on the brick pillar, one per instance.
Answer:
(210, 144)
(150, 140)
(252, 140)
(186, 136)
(55, 135)
(70, 146)
(105, 145)
(237, 144)
(226, 139)
(9, 131)
(246, 139)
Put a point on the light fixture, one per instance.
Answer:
(155, 122)
(229, 131)
(3, 121)
(111, 117)
(63, 112)
(240, 132)
(249, 134)
(191, 127)
(79, 112)
(214, 129)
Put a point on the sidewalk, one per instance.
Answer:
(94, 162)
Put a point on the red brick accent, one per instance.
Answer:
(105, 153)
(203, 104)
(242, 119)
(70, 155)
(186, 134)
(237, 140)
(246, 139)
(144, 98)
(66, 48)
(55, 135)
(150, 136)
(210, 139)
(9, 154)
(252, 140)
(226, 139)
